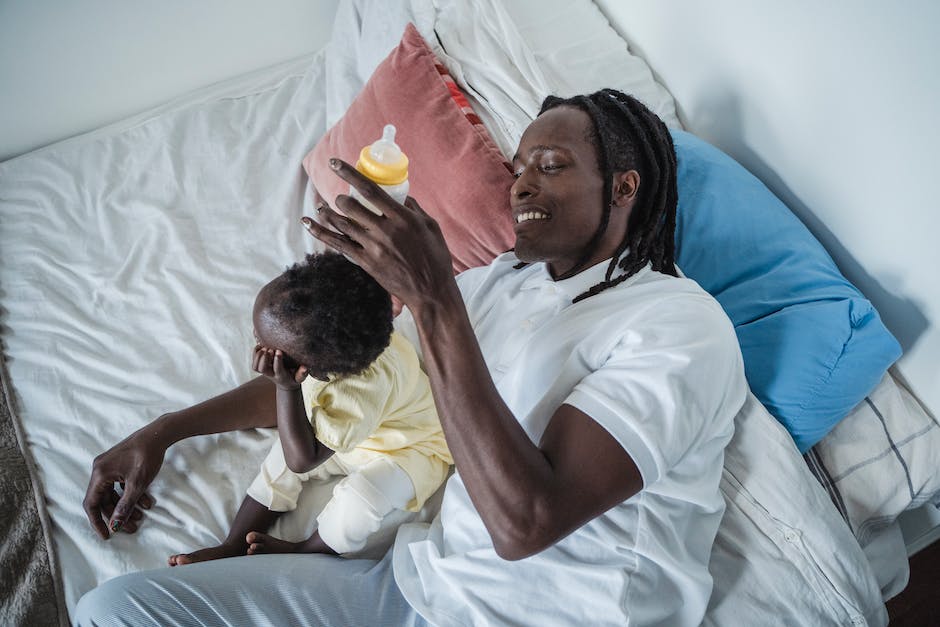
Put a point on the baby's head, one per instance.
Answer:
(325, 313)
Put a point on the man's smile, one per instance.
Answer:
(529, 213)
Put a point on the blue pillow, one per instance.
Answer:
(813, 346)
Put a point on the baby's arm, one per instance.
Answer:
(302, 451)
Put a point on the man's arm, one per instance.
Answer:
(529, 496)
(137, 459)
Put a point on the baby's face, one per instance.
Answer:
(271, 332)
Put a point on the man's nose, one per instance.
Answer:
(522, 187)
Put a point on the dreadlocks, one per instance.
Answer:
(628, 136)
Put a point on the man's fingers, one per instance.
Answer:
(130, 526)
(146, 500)
(412, 204)
(125, 505)
(422, 215)
(98, 524)
(133, 521)
(369, 190)
(96, 517)
(98, 496)
(350, 227)
(337, 241)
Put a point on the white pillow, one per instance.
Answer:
(509, 55)
(881, 460)
(579, 52)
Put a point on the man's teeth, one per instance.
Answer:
(531, 215)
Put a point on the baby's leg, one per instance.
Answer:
(361, 506)
(366, 509)
(251, 515)
(259, 542)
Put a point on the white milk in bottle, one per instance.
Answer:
(384, 163)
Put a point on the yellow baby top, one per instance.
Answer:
(386, 411)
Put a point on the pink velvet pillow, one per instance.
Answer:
(456, 172)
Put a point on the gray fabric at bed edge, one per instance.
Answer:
(30, 592)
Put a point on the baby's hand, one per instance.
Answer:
(270, 363)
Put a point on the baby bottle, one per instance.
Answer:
(384, 163)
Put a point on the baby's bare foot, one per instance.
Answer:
(204, 555)
(263, 543)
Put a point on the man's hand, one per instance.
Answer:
(271, 364)
(133, 463)
(403, 249)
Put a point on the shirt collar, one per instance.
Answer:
(572, 286)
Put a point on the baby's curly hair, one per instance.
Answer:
(337, 310)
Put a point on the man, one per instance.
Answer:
(585, 391)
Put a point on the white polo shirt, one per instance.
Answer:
(655, 361)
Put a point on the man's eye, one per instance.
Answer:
(550, 167)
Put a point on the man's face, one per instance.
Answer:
(558, 194)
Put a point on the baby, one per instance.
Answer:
(352, 400)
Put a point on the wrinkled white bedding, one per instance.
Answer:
(131, 257)
(131, 260)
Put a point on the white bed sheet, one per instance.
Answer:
(132, 256)
(131, 260)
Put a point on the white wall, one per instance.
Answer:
(834, 105)
(68, 67)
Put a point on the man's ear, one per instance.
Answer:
(624, 188)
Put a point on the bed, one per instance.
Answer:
(132, 254)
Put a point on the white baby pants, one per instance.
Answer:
(364, 502)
